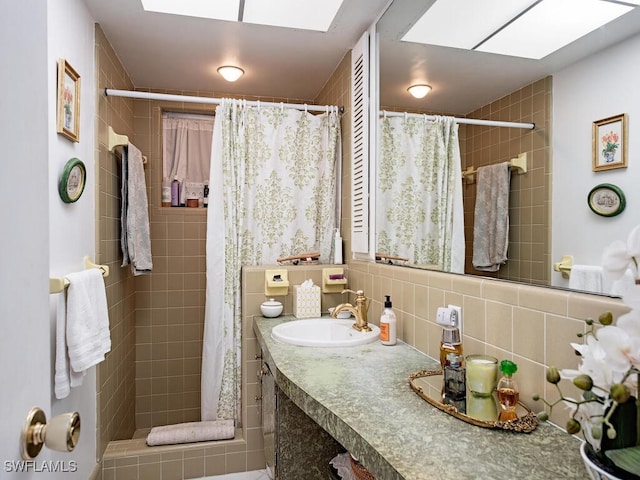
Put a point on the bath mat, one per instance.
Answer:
(191, 432)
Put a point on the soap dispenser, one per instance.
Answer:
(507, 389)
(388, 324)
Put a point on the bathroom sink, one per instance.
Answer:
(323, 332)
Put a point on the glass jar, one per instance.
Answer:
(482, 374)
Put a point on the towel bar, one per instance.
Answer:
(564, 266)
(58, 284)
(117, 140)
(519, 164)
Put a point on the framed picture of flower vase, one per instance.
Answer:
(610, 143)
(68, 101)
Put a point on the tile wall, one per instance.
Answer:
(164, 311)
(530, 197)
(528, 324)
(115, 376)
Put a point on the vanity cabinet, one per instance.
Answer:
(295, 446)
(361, 395)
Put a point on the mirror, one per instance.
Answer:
(479, 411)
(554, 91)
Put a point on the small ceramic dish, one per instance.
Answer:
(342, 314)
(271, 308)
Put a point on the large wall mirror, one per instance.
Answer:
(564, 93)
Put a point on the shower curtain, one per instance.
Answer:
(273, 192)
(419, 211)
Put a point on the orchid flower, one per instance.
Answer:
(619, 256)
(622, 350)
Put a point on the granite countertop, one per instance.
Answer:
(361, 396)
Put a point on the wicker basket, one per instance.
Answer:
(359, 471)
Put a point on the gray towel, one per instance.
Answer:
(491, 225)
(136, 239)
(191, 432)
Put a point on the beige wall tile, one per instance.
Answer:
(528, 334)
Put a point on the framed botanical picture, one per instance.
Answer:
(610, 143)
(68, 101)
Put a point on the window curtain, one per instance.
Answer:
(186, 149)
(274, 178)
(419, 212)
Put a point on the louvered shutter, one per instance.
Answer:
(360, 146)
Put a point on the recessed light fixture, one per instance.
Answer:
(230, 73)
(419, 91)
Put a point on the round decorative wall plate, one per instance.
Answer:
(606, 200)
(72, 180)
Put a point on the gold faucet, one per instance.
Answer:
(359, 311)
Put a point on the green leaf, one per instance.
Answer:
(626, 458)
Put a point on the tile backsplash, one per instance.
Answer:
(531, 325)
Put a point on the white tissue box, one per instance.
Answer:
(306, 301)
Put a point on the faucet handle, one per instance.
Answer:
(359, 292)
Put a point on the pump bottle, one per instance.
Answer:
(388, 324)
(337, 248)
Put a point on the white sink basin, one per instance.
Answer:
(323, 332)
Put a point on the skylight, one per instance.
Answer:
(307, 15)
(522, 28)
(216, 9)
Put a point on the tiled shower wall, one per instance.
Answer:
(170, 302)
(530, 194)
(166, 308)
(115, 376)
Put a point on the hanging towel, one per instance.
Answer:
(587, 278)
(191, 432)
(491, 226)
(619, 286)
(87, 330)
(136, 239)
(64, 378)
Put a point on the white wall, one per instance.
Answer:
(41, 237)
(72, 226)
(601, 86)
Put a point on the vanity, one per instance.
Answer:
(359, 398)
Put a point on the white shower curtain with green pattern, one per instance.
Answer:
(274, 187)
(419, 212)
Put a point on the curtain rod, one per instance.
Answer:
(109, 92)
(468, 121)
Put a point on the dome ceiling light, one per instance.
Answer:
(230, 73)
(419, 91)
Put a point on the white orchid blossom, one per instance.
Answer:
(622, 350)
(597, 365)
(610, 355)
(619, 256)
(631, 297)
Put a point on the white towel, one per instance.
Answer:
(491, 224)
(88, 337)
(136, 239)
(191, 432)
(587, 278)
(619, 286)
(64, 378)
